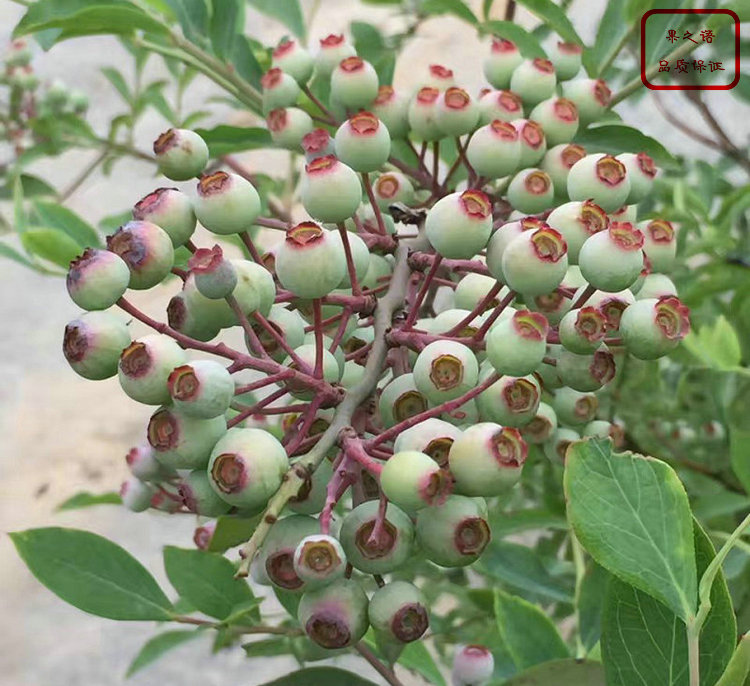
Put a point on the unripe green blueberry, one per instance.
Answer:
(486, 459)
(333, 49)
(18, 54)
(627, 213)
(277, 554)
(79, 101)
(370, 222)
(499, 65)
(611, 305)
(422, 114)
(567, 59)
(591, 96)
(557, 446)
(311, 496)
(542, 425)
(293, 59)
(600, 178)
(289, 126)
(502, 237)
(577, 221)
(586, 372)
(473, 665)
(279, 90)
(226, 203)
(393, 187)
(392, 108)
(311, 261)
(56, 94)
(656, 286)
(198, 495)
(574, 407)
(363, 142)
(501, 104)
(583, 330)
(517, 345)
(338, 354)
(464, 416)
(354, 83)
(136, 495)
(181, 154)
(558, 161)
(334, 616)
(97, 279)
(207, 313)
(306, 353)
(290, 326)
(510, 401)
(145, 366)
(447, 320)
(439, 77)
(146, 249)
(184, 318)
(255, 289)
(535, 262)
(458, 225)
(202, 389)
(358, 338)
(532, 140)
(534, 80)
(651, 328)
(317, 143)
(444, 370)
(246, 467)
(659, 244)
(554, 305)
(215, 276)
(603, 429)
(531, 191)
(641, 172)
(398, 611)
(433, 437)
(558, 118)
(713, 431)
(360, 256)
(611, 260)
(457, 113)
(93, 342)
(319, 560)
(170, 209)
(455, 533)
(473, 288)
(377, 551)
(400, 400)
(183, 442)
(494, 150)
(144, 466)
(331, 191)
(413, 480)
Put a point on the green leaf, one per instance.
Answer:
(612, 28)
(226, 140)
(505, 523)
(715, 345)
(13, 254)
(325, 676)
(656, 42)
(206, 580)
(416, 657)
(455, 7)
(157, 645)
(154, 96)
(54, 216)
(231, 531)
(738, 668)
(631, 514)
(86, 499)
(225, 26)
(528, 634)
(193, 18)
(590, 604)
(554, 17)
(566, 672)
(118, 81)
(268, 647)
(289, 13)
(245, 62)
(739, 455)
(615, 138)
(527, 42)
(52, 245)
(288, 600)
(32, 186)
(92, 573)
(643, 642)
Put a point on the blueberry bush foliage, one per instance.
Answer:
(453, 415)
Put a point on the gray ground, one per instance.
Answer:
(60, 434)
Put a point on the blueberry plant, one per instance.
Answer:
(440, 345)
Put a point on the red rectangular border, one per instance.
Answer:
(721, 87)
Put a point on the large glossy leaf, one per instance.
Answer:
(288, 12)
(226, 140)
(32, 186)
(225, 25)
(738, 669)
(416, 657)
(715, 345)
(92, 573)
(632, 515)
(245, 62)
(616, 138)
(231, 531)
(554, 17)
(644, 642)
(325, 676)
(206, 580)
(612, 28)
(158, 645)
(566, 672)
(53, 216)
(527, 42)
(506, 523)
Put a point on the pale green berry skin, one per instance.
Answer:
(400, 399)
(145, 366)
(292, 58)
(534, 81)
(586, 372)
(449, 319)
(357, 87)
(170, 209)
(656, 286)
(199, 497)
(343, 604)
(627, 213)
(573, 338)
(136, 495)
(369, 220)
(510, 401)
(530, 266)
(499, 65)
(279, 90)
(432, 437)
(542, 425)
(338, 354)
(393, 187)
(557, 162)
(597, 428)
(611, 305)
(181, 154)
(585, 182)
(458, 225)
(391, 107)
(330, 190)
(146, 249)
(516, 345)
(641, 173)
(255, 289)
(533, 142)
(356, 528)
(183, 442)
(93, 342)
(352, 374)
(455, 533)
(473, 665)
(215, 277)
(97, 279)
(360, 256)
(567, 59)
(607, 264)
(659, 244)
(306, 352)
(226, 203)
(384, 608)
(291, 327)
(494, 150)
(314, 578)
(504, 105)
(591, 96)
(276, 556)
(547, 373)
(556, 446)
(310, 500)
(457, 113)
(464, 416)
(477, 465)
(444, 370)
(182, 317)
(422, 115)
(259, 457)
(201, 389)
(472, 289)
(208, 313)
(558, 118)
(554, 305)
(331, 53)
(641, 332)
(531, 191)
(363, 142)
(413, 480)
(499, 241)
(288, 126)
(577, 221)
(574, 408)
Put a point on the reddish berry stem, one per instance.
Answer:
(373, 203)
(414, 307)
(351, 269)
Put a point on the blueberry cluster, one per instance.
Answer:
(407, 341)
